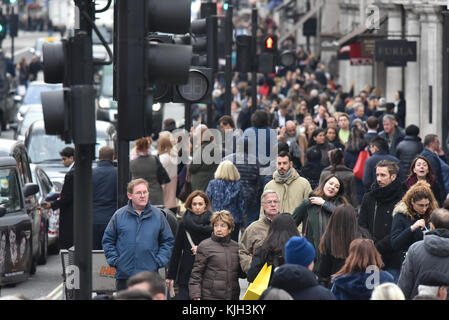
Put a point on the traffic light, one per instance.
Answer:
(70, 112)
(3, 27)
(268, 56)
(270, 44)
(245, 59)
(144, 64)
(204, 41)
(13, 25)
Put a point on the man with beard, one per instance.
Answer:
(375, 213)
(291, 187)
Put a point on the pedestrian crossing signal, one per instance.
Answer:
(270, 44)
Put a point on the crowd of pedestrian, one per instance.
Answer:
(354, 204)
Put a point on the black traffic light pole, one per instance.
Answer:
(254, 28)
(228, 57)
(84, 137)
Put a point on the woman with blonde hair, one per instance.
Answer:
(387, 291)
(411, 217)
(362, 269)
(216, 271)
(226, 193)
(168, 157)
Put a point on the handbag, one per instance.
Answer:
(259, 285)
(359, 167)
(186, 189)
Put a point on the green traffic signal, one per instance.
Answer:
(1, 28)
(12, 1)
(225, 6)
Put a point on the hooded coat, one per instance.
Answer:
(300, 283)
(355, 286)
(291, 193)
(402, 237)
(375, 215)
(432, 253)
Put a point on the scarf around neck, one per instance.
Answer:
(283, 178)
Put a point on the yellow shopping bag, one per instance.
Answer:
(259, 285)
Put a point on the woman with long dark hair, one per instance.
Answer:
(272, 250)
(338, 168)
(319, 142)
(314, 213)
(193, 228)
(334, 245)
(421, 170)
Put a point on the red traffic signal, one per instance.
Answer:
(270, 43)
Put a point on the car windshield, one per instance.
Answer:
(107, 84)
(10, 190)
(33, 94)
(29, 118)
(46, 148)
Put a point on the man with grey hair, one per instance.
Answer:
(430, 254)
(392, 133)
(359, 113)
(255, 234)
(432, 286)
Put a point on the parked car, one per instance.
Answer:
(21, 234)
(33, 113)
(44, 149)
(50, 223)
(31, 100)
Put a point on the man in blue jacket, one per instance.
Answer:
(104, 183)
(138, 236)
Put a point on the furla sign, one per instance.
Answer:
(395, 52)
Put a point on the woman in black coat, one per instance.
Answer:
(195, 224)
(411, 217)
(272, 250)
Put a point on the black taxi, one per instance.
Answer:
(20, 216)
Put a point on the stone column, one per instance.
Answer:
(431, 64)
(412, 71)
(393, 74)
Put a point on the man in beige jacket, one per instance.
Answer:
(291, 187)
(255, 234)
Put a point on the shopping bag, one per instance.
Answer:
(359, 167)
(259, 285)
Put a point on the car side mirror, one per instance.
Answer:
(30, 189)
(2, 211)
